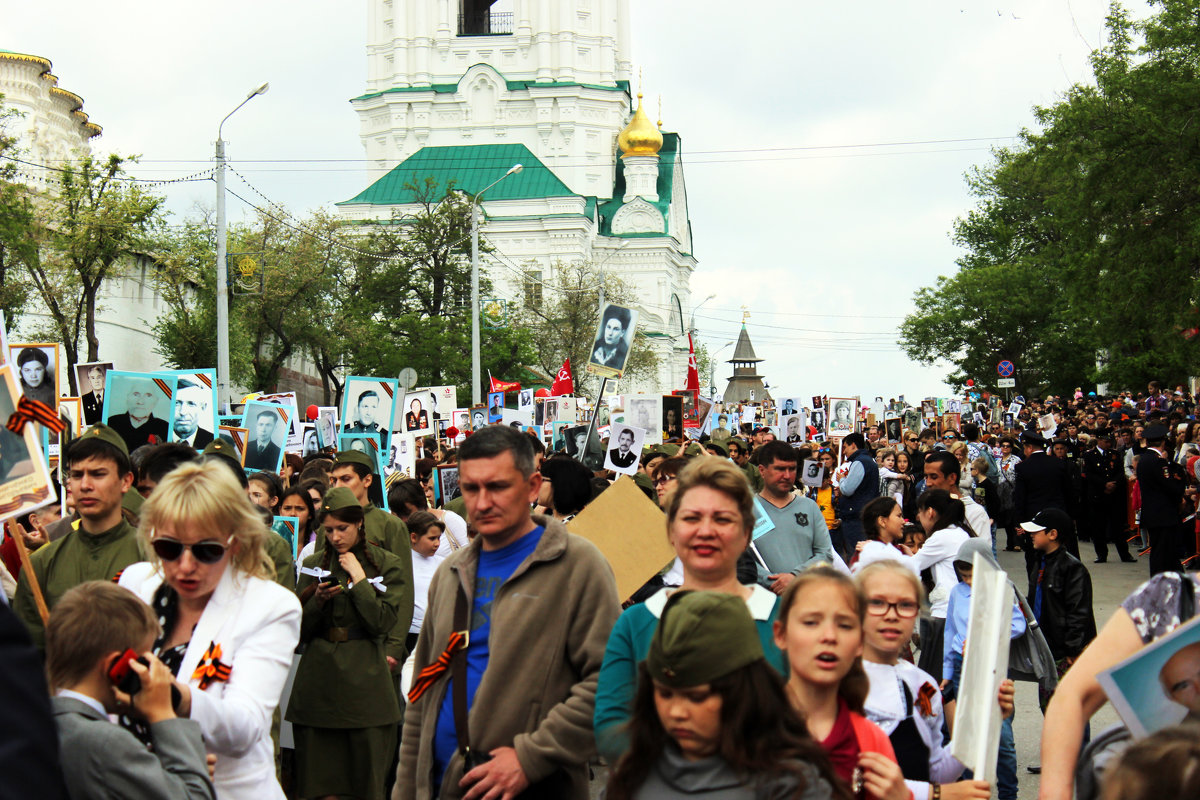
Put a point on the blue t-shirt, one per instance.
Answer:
(495, 567)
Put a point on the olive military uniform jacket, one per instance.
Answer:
(343, 679)
(550, 623)
(67, 562)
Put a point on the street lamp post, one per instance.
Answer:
(222, 268)
(712, 368)
(476, 378)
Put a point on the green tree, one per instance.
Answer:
(564, 325)
(96, 222)
(18, 232)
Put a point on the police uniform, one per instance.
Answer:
(344, 706)
(76, 557)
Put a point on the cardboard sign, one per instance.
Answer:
(631, 532)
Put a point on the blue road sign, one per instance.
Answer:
(1005, 368)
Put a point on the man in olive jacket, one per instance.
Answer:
(541, 603)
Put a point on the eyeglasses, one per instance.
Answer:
(663, 480)
(948, 436)
(905, 609)
(204, 552)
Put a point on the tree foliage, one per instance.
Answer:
(564, 325)
(1082, 254)
(18, 238)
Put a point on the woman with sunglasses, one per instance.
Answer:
(228, 630)
(344, 708)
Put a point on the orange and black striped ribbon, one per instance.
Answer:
(29, 410)
(434, 671)
(210, 669)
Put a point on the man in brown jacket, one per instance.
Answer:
(541, 604)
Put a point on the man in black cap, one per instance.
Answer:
(1104, 476)
(1041, 482)
(98, 475)
(1162, 482)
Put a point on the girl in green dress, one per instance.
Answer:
(343, 708)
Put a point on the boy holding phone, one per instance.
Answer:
(92, 640)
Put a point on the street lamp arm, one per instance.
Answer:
(254, 93)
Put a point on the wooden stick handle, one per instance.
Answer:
(14, 531)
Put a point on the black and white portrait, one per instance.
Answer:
(446, 479)
(624, 448)
(195, 411)
(266, 432)
(791, 429)
(558, 436)
(645, 411)
(614, 339)
(791, 405)
(326, 426)
(308, 442)
(576, 440)
(89, 379)
(913, 420)
(479, 417)
(842, 414)
(892, 426)
(525, 398)
(818, 419)
(368, 406)
(37, 371)
(139, 406)
(812, 473)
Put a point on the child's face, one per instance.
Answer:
(884, 635)
(1044, 541)
(975, 473)
(691, 716)
(964, 572)
(426, 544)
(822, 634)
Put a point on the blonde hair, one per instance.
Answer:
(956, 447)
(90, 621)
(208, 496)
(893, 568)
(720, 475)
(883, 453)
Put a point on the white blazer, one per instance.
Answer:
(256, 622)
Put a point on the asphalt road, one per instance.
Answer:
(1111, 583)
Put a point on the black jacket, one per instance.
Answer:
(1042, 481)
(1066, 615)
(1102, 468)
(1161, 482)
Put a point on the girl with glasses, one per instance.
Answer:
(228, 630)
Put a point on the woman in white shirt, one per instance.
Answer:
(944, 519)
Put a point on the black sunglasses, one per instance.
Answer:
(204, 552)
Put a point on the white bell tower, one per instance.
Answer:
(550, 74)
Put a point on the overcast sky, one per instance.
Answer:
(824, 143)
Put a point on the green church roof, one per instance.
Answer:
(665, 185)
(470, 168)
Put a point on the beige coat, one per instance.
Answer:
(550, 623)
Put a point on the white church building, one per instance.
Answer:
(462, 90)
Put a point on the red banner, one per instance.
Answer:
(564, 384)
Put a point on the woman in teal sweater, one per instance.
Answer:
(710, 517)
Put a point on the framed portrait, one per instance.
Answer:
(913, 420)
(479, 417)
(614, 340)
(281, 399)
(139, 406)
(418, 413)
(672, 417)
(495, 403)
(268, 426)
(894, 428)
(236, 436)
(286, 528)
(362, 442)
(549, 410)
(558, 436)
(576, 440)
(929, 407)
(445, 485)
(367, 406)
(517, 417)
(843, 411)
(37, 370)
(461, 418)
(624, 448)
(790, 405)
(951, 422)
(812, 474)
(70, 411)
(24, 474)
(326, 426)
(309, 446)
(645, 411)
(1010, 420)
(195, 419)
(818, 419)
(525, 398)
(402, 456)
(792, 428)
(1014, 408)
(89, 379)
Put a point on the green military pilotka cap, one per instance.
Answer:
(356, 457)
(702, 636)
(668, 450)
(107, 435)
(693, 449)
(338, 498)
(221, 447)
(718, 446)
(643, 480)
(742, 443)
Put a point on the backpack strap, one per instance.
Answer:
(1187, 597)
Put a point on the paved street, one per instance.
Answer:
(1111, 583)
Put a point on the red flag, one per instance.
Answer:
(563, 383)
(503, 386)
(693, 376)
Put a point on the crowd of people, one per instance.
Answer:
(807, 640)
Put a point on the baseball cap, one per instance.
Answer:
(1048, 519)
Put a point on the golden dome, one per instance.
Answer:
(640, 137)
